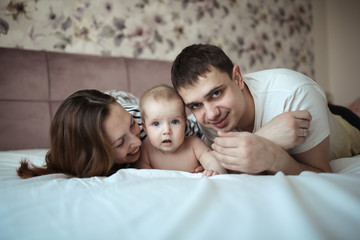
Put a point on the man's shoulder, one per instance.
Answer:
(277, 73)
(277, 79)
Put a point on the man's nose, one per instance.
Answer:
(211, 112)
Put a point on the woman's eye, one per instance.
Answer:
(174, 121)
(155, 124)
(119, 145)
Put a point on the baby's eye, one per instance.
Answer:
(155, 124)
(216, 94)
(175, 121)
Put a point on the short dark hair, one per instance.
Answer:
(197, 60)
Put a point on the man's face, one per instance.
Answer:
(216, 101)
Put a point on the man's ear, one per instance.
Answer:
(237, 77)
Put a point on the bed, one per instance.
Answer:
(146, 204)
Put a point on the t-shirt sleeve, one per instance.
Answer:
(312, 98)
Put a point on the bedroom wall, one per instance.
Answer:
(256, 34)
(336, 47)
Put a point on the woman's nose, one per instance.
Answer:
(135, 140)
(136, 130)
(135, 136)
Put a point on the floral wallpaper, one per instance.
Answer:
(256, 34)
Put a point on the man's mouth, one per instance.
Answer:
(221, 123)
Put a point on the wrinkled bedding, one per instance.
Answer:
(161, 204)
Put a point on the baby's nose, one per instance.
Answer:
(166, 131)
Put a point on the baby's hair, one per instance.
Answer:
(157, 93)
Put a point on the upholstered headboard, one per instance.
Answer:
(34, 83)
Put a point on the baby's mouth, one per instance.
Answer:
(167, 141)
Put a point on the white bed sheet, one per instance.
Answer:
(160, 204)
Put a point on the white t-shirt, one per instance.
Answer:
(277, 91)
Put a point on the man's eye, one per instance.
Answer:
(174, 121)
(216, 94)
(155, 124)
(195, 106)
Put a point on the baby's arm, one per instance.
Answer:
(207, 160)
(144, 161)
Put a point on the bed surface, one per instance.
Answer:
(161, 204)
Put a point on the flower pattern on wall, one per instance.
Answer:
(256, 34)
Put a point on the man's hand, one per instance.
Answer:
(246, 152)
(288, 129)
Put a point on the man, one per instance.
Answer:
(260, 122)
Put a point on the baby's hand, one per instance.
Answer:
(209, 173)
(199, 169)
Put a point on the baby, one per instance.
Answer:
(167, 147)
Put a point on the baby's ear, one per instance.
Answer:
(143, 126)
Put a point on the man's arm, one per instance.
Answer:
(250, 153)
(316, 158)
(287, 129)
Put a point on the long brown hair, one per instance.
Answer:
(79, 147)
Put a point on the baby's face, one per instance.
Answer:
(165, 124)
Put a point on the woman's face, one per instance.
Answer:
(123, 133)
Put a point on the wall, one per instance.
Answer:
(256, 34)
(337, 50)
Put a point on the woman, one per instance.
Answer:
(91, 135)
